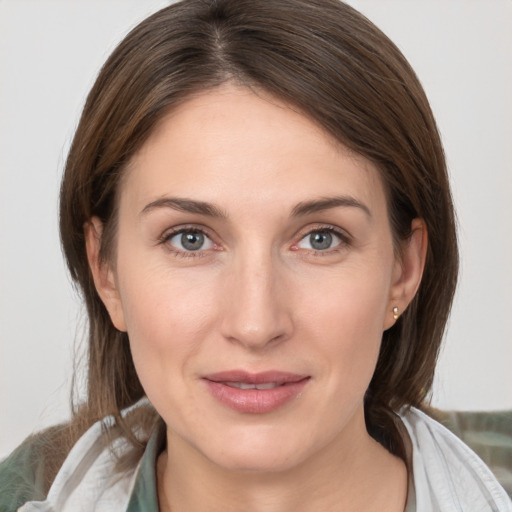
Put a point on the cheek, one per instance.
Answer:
(167, 315)
(352, 300)
(347, 320)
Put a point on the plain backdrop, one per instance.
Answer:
(50, 53)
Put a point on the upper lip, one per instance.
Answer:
(255, 378)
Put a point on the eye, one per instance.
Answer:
(321, 240)
(189, 240)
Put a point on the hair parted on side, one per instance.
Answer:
(326, 60)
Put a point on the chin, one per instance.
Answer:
(253, 453)
(257, 461)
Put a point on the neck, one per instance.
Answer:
(351, 473)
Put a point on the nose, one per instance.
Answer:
(257, 308)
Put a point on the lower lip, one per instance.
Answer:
(256, 401)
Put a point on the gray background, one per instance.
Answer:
(50, 52)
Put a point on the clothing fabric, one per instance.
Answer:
(447, 476)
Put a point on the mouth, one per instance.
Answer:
(247, 385)
(255, 393)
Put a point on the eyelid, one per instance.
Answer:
(170, 233)
(343, 235)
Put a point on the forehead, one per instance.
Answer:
(232, 143)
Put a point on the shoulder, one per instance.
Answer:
(24, 473)
(447, 471)
(101, 469)
(487, 433)
(86, 480)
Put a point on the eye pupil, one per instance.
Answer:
(192, 241)
(320, 240)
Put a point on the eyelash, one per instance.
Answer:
(178, 253)
(345, 241)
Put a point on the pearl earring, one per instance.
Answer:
(395, 313)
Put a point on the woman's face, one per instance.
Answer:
(255, 274)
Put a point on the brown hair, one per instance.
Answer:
(335, 66)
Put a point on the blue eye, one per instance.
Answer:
(320, 240)
(190, 240)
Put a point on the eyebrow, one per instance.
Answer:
(185, 205)
(210, 210)
(325, 203)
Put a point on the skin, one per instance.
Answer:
(257, 296)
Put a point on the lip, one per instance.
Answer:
(255, 401)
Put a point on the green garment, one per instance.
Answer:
(21, 475)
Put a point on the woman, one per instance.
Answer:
(256, 208)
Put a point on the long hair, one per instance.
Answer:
(326, 60)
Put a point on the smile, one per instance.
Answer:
(255, 393)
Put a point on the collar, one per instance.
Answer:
(144, 495)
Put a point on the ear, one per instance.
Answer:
(103, 273)
(407, 272)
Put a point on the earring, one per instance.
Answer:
(395, 313)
